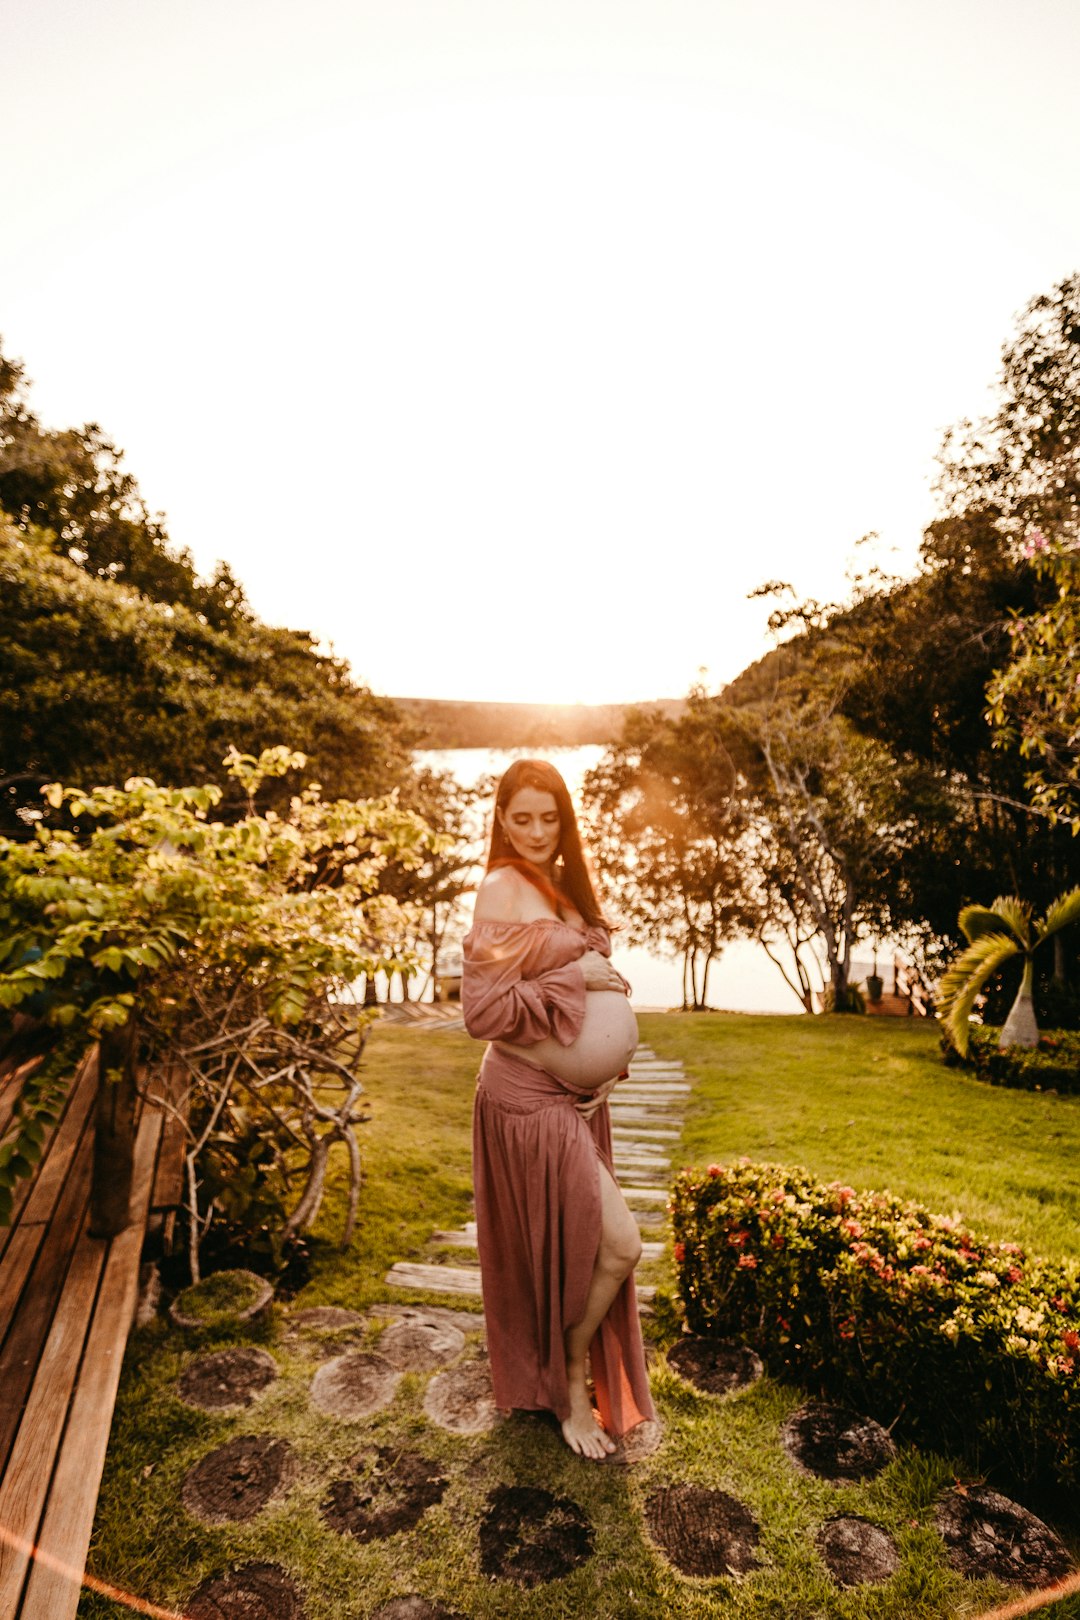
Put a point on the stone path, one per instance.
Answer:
(646, 1120)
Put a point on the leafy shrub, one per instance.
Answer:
(1053, 1065)
(970, 1344)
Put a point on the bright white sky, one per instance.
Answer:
(507, 344)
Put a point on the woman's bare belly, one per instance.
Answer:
(605, 1043)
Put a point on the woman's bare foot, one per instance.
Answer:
(582, 1431)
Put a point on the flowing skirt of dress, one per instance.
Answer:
(536, 1172)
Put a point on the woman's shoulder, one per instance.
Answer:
(505, 896)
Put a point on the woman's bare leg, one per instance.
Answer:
(618, 1254)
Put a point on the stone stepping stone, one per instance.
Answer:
(716, 1366)
(455, 1240)
(413, 1607)
(354, 1385)
(645, 1133)
(857, 1552)
(651, 1162)
(530, 1537)
(652, 1251)
(635, 1196)
(639, 1178)
(833, 1442)
(386, 1492)
(462, 1400)
(436, 1279)
(234, 1482)
(703, 1532)
(252, 1592)
(624, 1114)
(228, 1378)
(986, 1534)
(325, 1319)
(418, 1346)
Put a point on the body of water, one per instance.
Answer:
(742, 979)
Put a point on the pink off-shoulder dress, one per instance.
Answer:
(536, 1171)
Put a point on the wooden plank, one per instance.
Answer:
(26, 1239)
(434, 1279)
(29, 1467)
(30, 1328)
(59, 1139)
(53, 1590)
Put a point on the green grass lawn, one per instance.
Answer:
(869, 1102)
(849, 1099)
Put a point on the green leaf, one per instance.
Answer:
(964, 980)
(1064, 911)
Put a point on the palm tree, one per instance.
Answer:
(995, 934)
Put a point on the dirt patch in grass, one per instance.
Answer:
(835, 1443)
(702, 1531)
(254, 1592)
(386, 1492)
(987, 1534)
(529, 1536)
(413, 1607)
(856, 1552)
(227, 1378)
(716, 1366)
(230, 1485)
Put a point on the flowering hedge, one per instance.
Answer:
(1053, 1065)
(973, 1346)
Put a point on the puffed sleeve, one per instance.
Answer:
(498, 1004)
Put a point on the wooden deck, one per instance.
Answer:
(67, 1302)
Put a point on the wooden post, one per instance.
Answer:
(114, 1134)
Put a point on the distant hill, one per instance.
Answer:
(455, 723)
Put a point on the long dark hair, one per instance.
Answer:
(572, 876)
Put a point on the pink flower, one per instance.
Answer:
(852, 1228)
(679, 1252)
(714, 1170)
(1014, 1274)
(747, 1262)
(1071, 1340)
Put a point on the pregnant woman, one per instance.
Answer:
(557, 1243)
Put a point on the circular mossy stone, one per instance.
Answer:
(387, 1492)
(986, 1534)
(856, 1552)
(716, 1366)
(419, 1346)
(462, 1399)
(228, 1378)
(252, 1592)
(221, 1299)
(413, 1607)
(230, 1485)
(832, 1442)
(702, 1531)
(354, 1385)
(529, 1536)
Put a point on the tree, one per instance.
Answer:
(98, 683)
(995, 935)
(667, 831)
(142, 912)
(70, 485)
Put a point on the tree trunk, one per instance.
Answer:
(114, 1133)
(1061, 971)
(1020, 1026)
